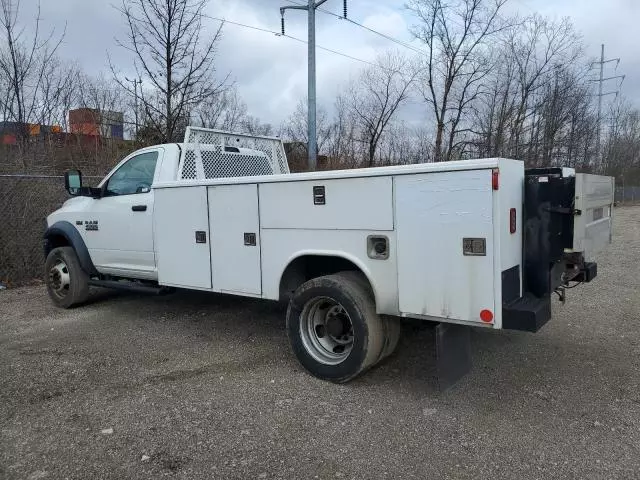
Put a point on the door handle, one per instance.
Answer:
(139, 208)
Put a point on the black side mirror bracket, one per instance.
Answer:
(92, 192)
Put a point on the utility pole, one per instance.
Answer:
(601, 81)
(312, 147)
(135, 82)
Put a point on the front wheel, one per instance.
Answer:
(333, 327)
(67, 284)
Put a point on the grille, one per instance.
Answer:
(211, 154)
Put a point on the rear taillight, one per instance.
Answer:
(512, 220)
(495, 179)
(486, 316)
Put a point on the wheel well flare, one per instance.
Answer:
(306, 267)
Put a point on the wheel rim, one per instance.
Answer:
(59, 279)
(326, 330)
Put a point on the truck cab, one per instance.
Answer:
(115, 221)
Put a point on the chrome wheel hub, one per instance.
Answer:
(59, 278)
(326, 330)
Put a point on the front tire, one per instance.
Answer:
(67, 284)
(333, 327)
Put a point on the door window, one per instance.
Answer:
(135, 176)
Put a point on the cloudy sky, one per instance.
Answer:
(270, 71)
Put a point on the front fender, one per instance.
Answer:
(67, 231)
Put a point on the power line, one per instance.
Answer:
(278, 34)
(336, 52)
(371, 30)
(602, 94)
(310, 8)
(224, 20)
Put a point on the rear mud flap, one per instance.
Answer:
(453, 353)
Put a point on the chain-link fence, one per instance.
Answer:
(25, 201)
(32, 186)
(628, 195)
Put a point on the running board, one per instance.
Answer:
(453, 353)
(130, 286)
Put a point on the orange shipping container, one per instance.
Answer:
(85, 128)
(8, 139)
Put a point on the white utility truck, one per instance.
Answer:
(479, 243)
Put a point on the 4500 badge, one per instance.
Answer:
(89, 225)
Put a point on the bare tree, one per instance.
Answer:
(375, 98)
(295, 127)
(224, 110)
(58, 93)
(455, 34)
(102, 97)
(25, 64)
(535, 103)
(622, 147)
(492, 115)
(253, 126)
(343, 143)
(173, 60)
(537, 47)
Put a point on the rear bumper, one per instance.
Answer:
(528, 313)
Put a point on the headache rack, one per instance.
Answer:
(209, 154)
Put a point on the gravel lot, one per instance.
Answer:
(204, 386)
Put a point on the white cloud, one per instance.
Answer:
(271, 71)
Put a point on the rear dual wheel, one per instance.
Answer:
(334, 329)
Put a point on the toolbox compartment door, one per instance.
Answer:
(594, 197)
(437, 214)
(180, 237)
(235, 239)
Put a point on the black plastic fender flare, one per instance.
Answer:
(71, 234)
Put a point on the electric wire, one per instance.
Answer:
(278, 34)
(371, 30)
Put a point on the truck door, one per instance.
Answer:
(120, 233)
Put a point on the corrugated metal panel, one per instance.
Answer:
(112, 118)
(85, 128)
(83, 115)
(10, 127)
(117, 131)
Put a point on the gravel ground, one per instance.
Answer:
(204, 386)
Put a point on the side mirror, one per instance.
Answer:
(73, 182)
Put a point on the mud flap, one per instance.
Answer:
(453, 353)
